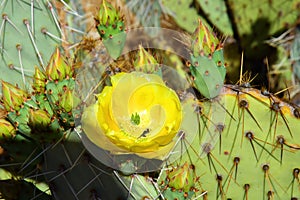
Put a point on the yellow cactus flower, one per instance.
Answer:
(138, 114)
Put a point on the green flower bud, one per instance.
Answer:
(7, 130)
(145, 62)
(57, 68)
(67, 101)
(107, 15)
(13, 97)
(39, 80)
(39, 119)
(204, 40)
(182, 177)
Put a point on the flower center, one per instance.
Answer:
(135, 118)
(144, 123)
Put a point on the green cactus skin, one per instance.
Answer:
(277, 14)
(209, 74)
(59, 89)
(38, 138)
(212, 12)
(254, 23)
(259, 20)
(144, 187)
(20, 156)
(72, 173)
(258, 140)
(187, 20)
(13, 187)
(34, 118)
(27, 116)
(216, 12)
(23, 44)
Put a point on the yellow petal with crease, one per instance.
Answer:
(109, 125)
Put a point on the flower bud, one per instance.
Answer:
(107, 15)
(67, 101)
(13, 97)
(182, 177)
(145, 62)
(39, 119)
(7, 130)
(39, 80)
(204, 40)
(57, 68)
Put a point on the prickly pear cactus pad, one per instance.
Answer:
(253, 154)
(29, 33)
(216, 12)
(274, 15)
(148, 13)
(39, 124)
(187, 20)
(48, 108)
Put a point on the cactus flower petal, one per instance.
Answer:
(144, 96)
